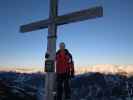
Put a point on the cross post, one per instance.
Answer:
(51, 23)
(51, 50)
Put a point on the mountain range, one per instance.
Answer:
(101, 68)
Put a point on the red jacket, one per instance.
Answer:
(63, 62)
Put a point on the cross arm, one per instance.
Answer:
(64, 19)
(35, 26)
(80, 15)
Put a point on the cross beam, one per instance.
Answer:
(64, 19)
(51, 23)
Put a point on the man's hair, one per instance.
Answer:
(62, 43)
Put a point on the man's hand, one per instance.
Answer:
(47, 55)
(72, 74)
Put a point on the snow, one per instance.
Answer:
(88, 86)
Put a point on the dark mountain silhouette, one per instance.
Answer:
(89, 86)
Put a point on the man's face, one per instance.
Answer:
(62, 46)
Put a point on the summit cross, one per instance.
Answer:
(51, 23)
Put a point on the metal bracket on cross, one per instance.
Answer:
(49, 65)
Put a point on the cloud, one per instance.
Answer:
(22, 69)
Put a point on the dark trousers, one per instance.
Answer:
(63, 86)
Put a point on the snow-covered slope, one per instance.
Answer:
(89, 86)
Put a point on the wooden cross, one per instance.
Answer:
(51, 23)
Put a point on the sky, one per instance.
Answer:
(105, 40)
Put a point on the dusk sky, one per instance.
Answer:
(105, 40)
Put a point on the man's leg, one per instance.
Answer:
(67, 89)
(59, 87)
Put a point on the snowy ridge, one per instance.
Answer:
(89, 86)
(107, 69)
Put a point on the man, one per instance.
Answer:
(65, 71)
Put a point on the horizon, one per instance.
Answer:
(101, 68)
(105, 40)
